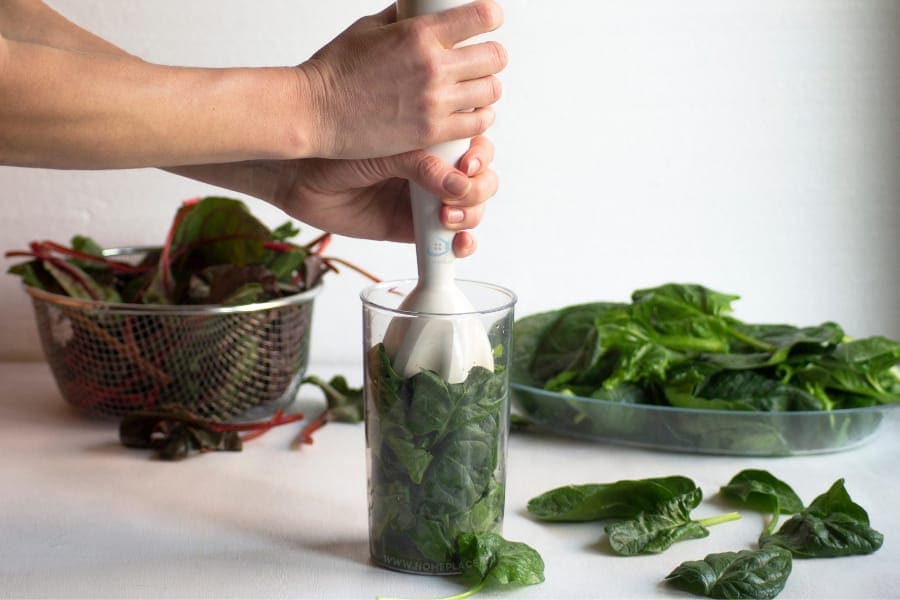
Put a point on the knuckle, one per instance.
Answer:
(499, 57)
(495, 89)
(489, 14)
(429, 167)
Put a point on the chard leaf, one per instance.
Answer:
(174, 434)
(34, 275)
(745, 574)
(832, 525)
(231, 285)
(78, 283)
(284, 264)
(87, 245)
(285, 231)
(344, 403)
(621, 499)
(213, 231)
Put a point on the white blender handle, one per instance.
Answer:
(434, 242)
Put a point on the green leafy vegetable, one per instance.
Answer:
(760, 490)
(832, 525)
(678, 345)
(488, 560)
(745, 574)
(343, 404)
(618, 500)
(175, 433)
(216, 252)
(435, 462)
(654, 531)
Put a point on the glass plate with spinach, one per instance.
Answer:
(673, 369)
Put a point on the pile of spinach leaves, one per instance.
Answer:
(648, 515)
(436, 462)
(832, 525)
(678, 345)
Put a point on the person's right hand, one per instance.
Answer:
(385, 87)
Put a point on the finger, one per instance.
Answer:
(464, 244)
(482, 188)
(476, 61)
(458, 219)
(385, 17)
(475, 93)
(463, 125)
(458, 24)
(478, 157)
(430, 172)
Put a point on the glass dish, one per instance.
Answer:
(743, 433)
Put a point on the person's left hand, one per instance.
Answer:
(369, 198)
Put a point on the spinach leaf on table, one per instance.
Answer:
(746, 574)
(760, 490)
(489, 560)
(617, 500)
(653, 531)
(832, 525)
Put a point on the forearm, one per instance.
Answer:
(66, 109)
(267, 180)
(35, 22)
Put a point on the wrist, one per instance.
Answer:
(312, 103)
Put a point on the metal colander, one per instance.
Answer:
(219, 362)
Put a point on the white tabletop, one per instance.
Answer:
(82, 516)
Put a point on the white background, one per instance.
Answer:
(753, 146)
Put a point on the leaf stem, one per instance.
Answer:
(710, 521)
(461, 596)
(751, 341)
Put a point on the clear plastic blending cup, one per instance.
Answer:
(436, 451)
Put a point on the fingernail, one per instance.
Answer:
(455, 215)
(456, 184)
(474, 167)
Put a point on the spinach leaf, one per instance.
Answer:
(492, 559)
(435, 462)
(745, 574)
(595, 501)
(760, 490)
(570, 345)
(832, 525)
(735, 390)
(651, 532)
(488, 560)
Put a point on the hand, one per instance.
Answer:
(370, 197)
(384, 87)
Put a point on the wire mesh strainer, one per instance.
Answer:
(220, 362)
